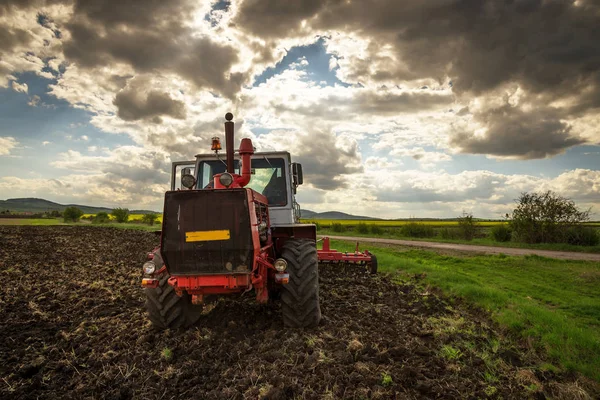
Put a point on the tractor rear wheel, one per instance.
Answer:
(300, 297)
(166, 310)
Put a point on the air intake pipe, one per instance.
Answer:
(246, 150)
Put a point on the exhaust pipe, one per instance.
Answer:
(229, 142)
(246, 151)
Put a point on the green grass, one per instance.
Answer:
(487, 241)
(32, 221)
(59, 221)
(394, 223)
(128, 225)
(554, 303)
(446, 223)
(386, 379)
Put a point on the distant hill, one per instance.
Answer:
(307, 214)
(34, 205)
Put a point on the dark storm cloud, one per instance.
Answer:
(390, 103)
(180, 149)
(138, 13)
(10, 5)
(207, 63)
(133, 106)
(10, 38)
(150, 36)
(512, 132)
(323, 163)
(147, 175)
(367, 102)
(549, 48)
(482, 186)
(546, 45)
(276, 18)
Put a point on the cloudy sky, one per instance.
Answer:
(395, 108)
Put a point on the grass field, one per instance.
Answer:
(59, 221)
(391, 231)
(32, 221)
(480, 241)
(394, 223)
(553, 304)
(325, 223)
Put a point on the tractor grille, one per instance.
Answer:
(201, 211)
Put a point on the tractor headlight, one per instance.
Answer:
(280, 265)
(188, 181)
(226, 179)
(149, 267)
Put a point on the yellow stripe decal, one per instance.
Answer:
(204, 236)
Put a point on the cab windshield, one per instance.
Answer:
(268, 177)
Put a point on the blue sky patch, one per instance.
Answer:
(318, 64)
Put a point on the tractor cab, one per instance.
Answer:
(272, 174)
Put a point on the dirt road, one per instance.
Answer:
(565, 255)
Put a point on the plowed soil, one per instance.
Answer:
(73, 326)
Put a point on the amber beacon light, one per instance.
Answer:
(216, 144)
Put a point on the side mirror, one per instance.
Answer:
(297, 174)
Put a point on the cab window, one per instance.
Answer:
(268, 177)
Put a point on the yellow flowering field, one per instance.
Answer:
(396, 223)
(132, 217)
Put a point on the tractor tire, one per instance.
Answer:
(166, 310)
(300, 297)
(373, 265)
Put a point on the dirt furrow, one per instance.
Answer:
(73, 326)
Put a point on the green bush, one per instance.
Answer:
(582, 236)
(376, 229)
(449, 233)
(101, 218)
(413, 229)
(72, 214)
(501, 233)
(362, 228)
(467, 226)
(149, 218)
(121, 214)
(546, 217)
(337, 227)
(315, 223)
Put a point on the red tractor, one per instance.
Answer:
(230, 226)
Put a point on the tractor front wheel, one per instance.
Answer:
(166, 310)
(300, 297)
